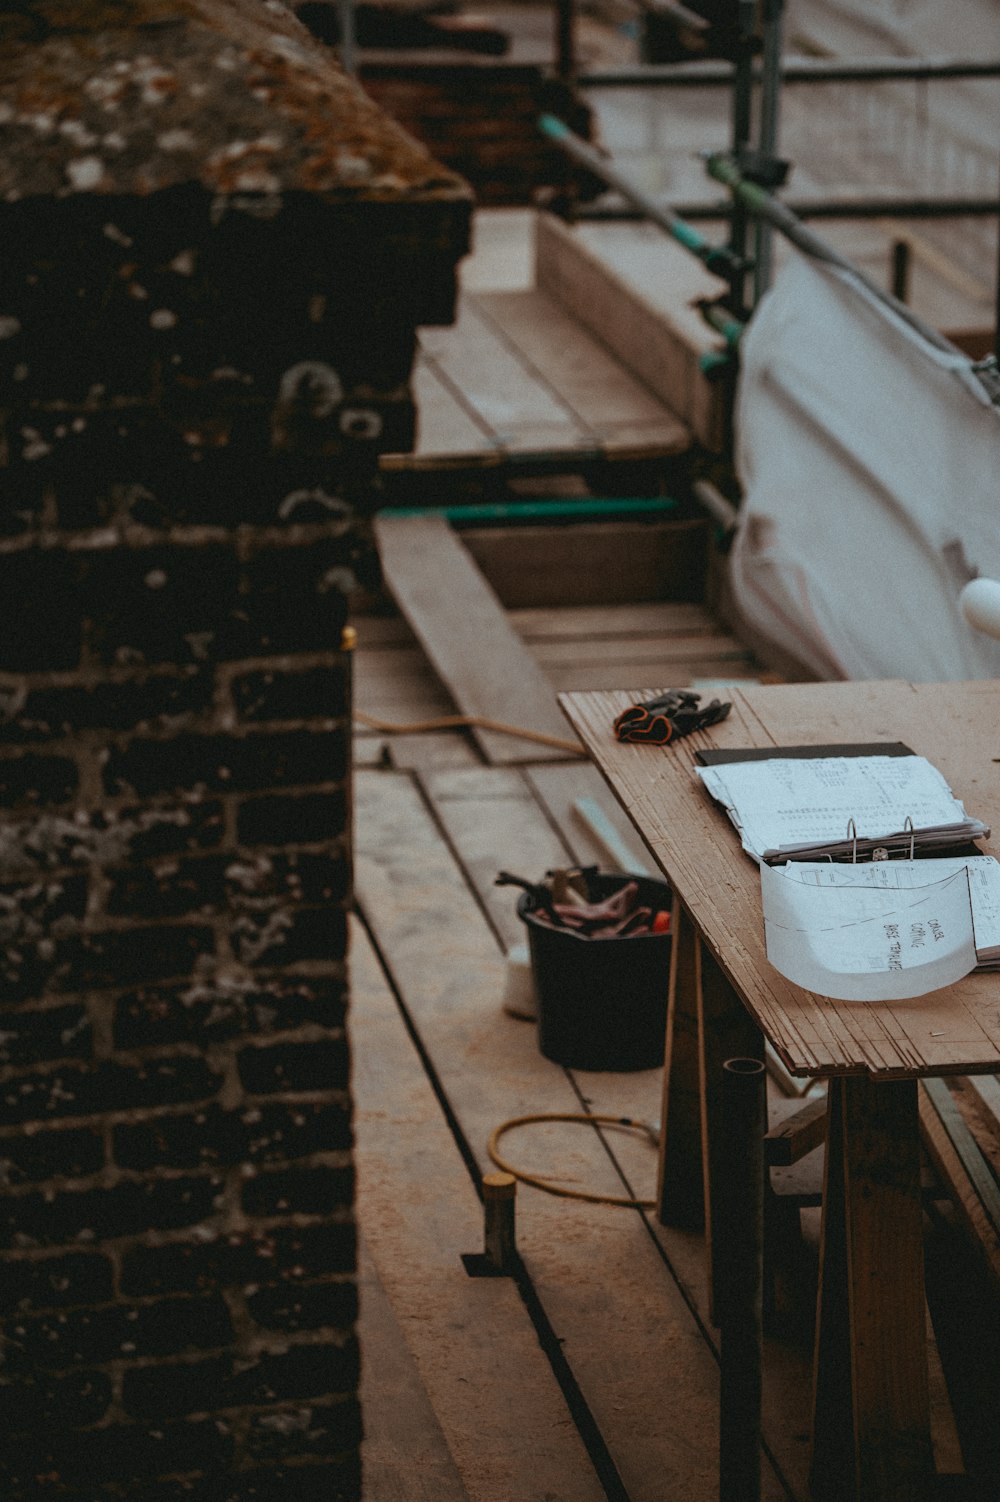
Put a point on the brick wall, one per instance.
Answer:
(205, 342)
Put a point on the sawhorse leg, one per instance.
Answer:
(706, 1025)
(871, 1424)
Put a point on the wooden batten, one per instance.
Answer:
(606, 285)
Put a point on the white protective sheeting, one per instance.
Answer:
(870, 467)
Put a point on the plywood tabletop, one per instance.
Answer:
(955, 725)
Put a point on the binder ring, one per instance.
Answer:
(852, 835)
(908, 825)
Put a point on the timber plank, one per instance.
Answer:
(431, 750)
(611, 622)
(466, 636)
(404, 1455)
(697, 646)
(494, 823)
(559, 787)
(397, 683)
(509, 399)
(593, 563)
(634, 294)
(578, 677)
(606, 398)
(446, 426)
(470, 1341)
(622, 1324)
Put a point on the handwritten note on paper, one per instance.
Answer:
(783, 804)
(868, 944)
(984, 887)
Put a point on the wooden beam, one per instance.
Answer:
(462, 628)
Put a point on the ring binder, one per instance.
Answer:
(792, 808)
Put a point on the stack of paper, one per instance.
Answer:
(841, 806)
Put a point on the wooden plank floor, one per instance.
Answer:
(575, 647)
(516, 378)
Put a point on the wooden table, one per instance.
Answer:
(871, 1436)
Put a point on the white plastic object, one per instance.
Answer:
(980, 604)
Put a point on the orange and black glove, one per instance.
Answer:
(669, 717)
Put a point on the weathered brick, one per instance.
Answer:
(305, 1307)
(312, 693)
(93, 1457)
(36, 779)
(274, 935)
(159, 604)
(40, 616)
(78, 1090)
(212, 1137)
(319, 1190)
(309, 818)
(29, 1283)
(43, 842)
(305, 875)
(304, 1371)
(170, 888)
(279, 1132)
(316, 1429)
(201, 1011)
(199, 1139)
(72, 1337)
(56, 1402)
(49, 1155)
(318, 1064)
(316, 576)
(261, 1257)
(150, 703)
(127, 1208)
(127, 956)
(32, 1037)
(335, 1480)
(168, 1389)
(222, 763)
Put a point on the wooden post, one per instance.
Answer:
(499, 1242)
(680, 1186)
(725, 1030)
(871, 1428)
(739, 1270)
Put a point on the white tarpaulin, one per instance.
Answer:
(870, 467)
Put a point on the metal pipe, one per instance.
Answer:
(996, 330)
(741, 105)
(559, 509)
(767, 135)
(565, 39)
(821, 208)
(899, 284)
(717, 258)
(722, 321)
(765, 206)
(348, 48)
(739, 1254)
(674, 12)
(794, 70)
(715, 503)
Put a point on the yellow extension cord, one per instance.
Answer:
(627, 1123)
(472, 721)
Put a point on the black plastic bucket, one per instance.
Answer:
(602, 1003)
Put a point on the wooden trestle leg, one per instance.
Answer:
(871, 1425)
(680, 1193)
(706, 1025)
